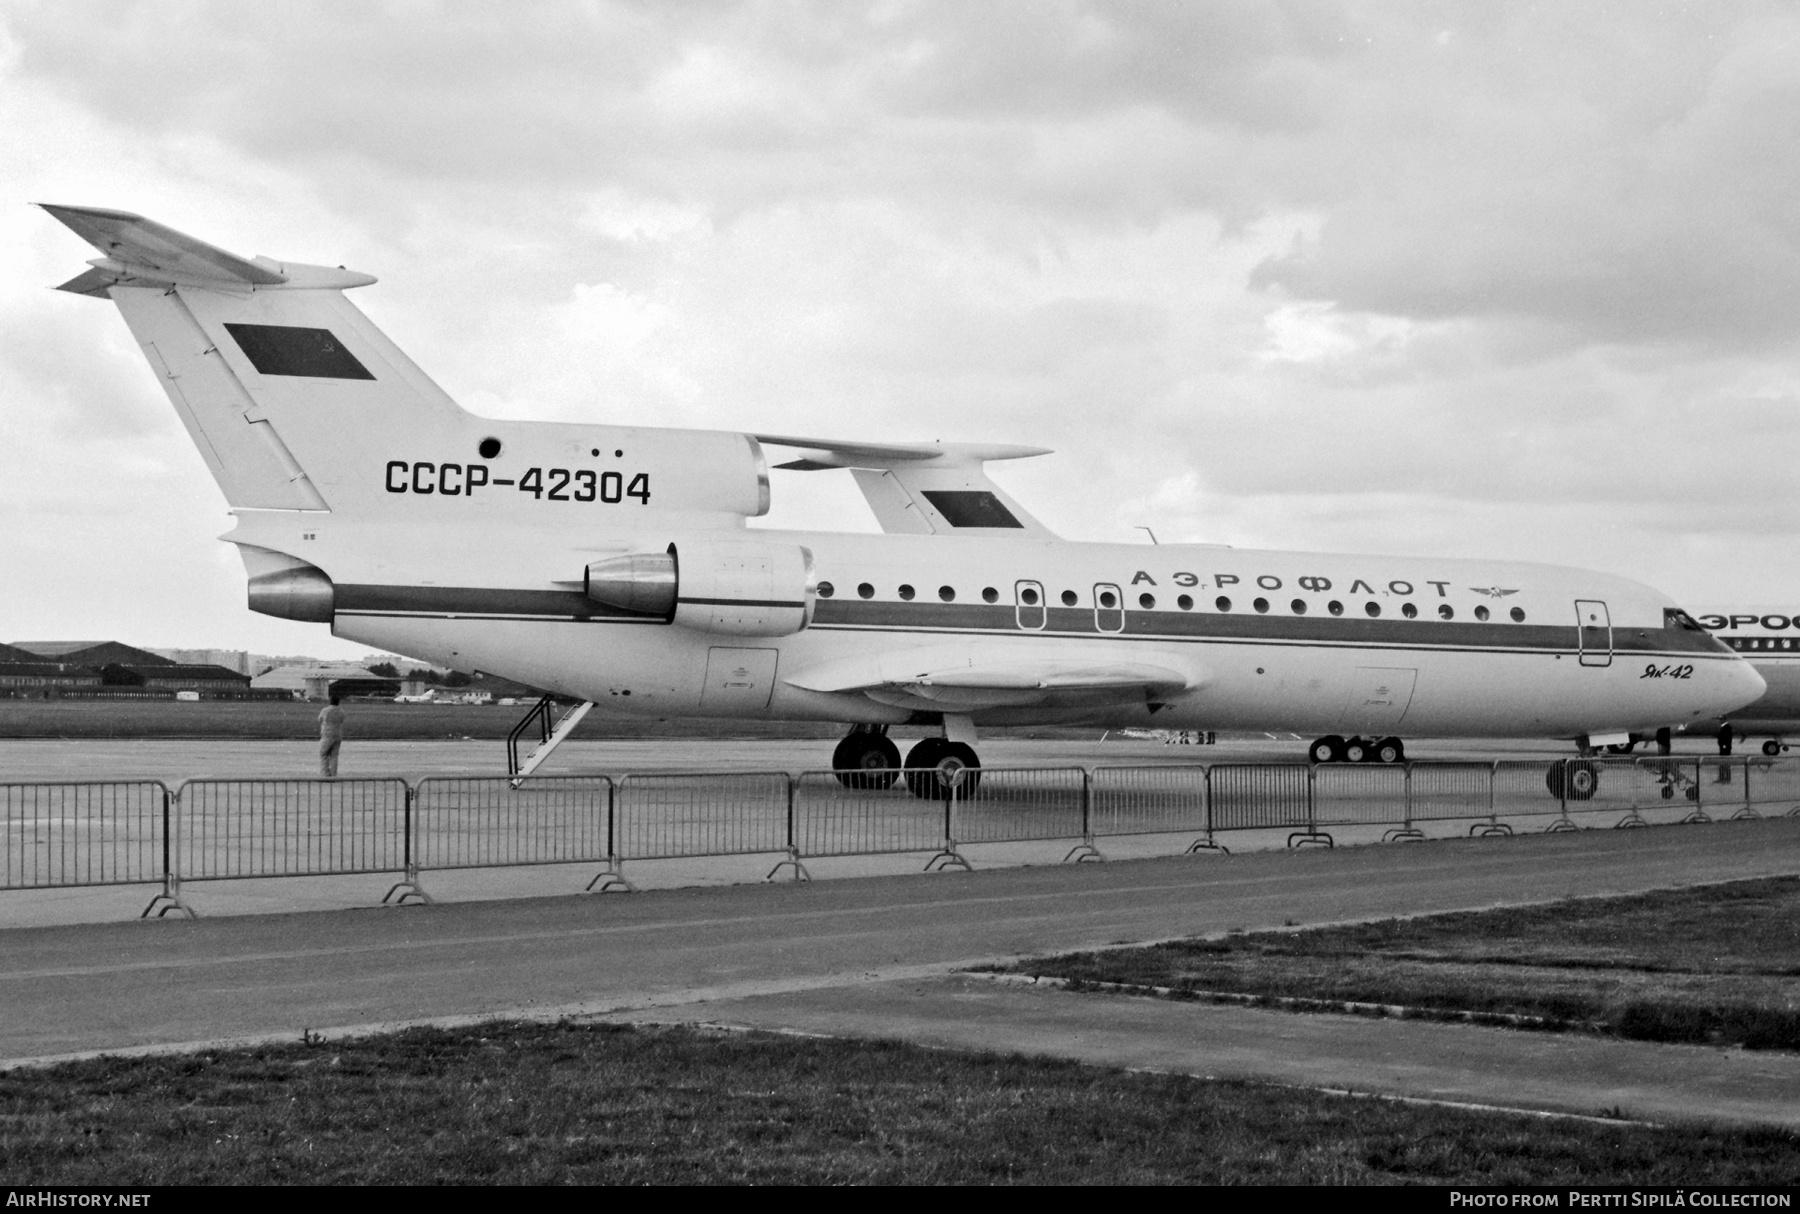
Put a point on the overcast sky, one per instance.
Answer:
(1482, 279)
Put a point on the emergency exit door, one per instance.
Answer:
(1593, 632)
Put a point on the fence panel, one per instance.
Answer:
(1254, 796)
(1442, 791)
(101, 833)
(1525, 788)
(1148, 800)
(1351, 794)
(833, 820)
(1016, 805)
(661, 817)
(485, 822)
(1774, 786)
(288, 828)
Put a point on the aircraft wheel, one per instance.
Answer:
(1357, 750)
(1771, 748)
(1390, 750)
(961, 758)
(1329, 749)
(921, 768)
(866, 760)
(1624, 748)
(1579, 779)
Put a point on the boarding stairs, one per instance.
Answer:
(549, 736)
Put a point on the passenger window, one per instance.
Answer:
(1409, 611)
(1446, 611)
(947, 593)
(906, 593)
(1070, 598)
(1374, 609)
(1481, 613)
(1335, 607)
(1146, 601)
(1185, 602)
(1299, 606)
(990, 595)
(826, 590)
(865, 591)
(1222, 603)
(1262, 606)
(1518, 615)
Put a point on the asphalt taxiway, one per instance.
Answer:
(169, 984)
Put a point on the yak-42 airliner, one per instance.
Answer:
(613, 564)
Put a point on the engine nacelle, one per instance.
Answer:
(734, 589)
(287, 587)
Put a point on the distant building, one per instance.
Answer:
(319, 682)
(91, 653)
(210, 680)
(22, 679)
(11, 653)
(230, 659)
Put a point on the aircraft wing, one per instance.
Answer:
(924, 488)
(973, 676)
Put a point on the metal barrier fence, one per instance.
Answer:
(666, 817)
(289, 828)
(91, 833)
(1149, 801)
(500, 822)
(130, 832)
(866, 817)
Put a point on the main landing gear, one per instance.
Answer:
(1333, 749)
(868, 758)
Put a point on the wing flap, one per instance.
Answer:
(1003, 671)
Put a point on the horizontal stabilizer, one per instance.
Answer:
(836, 453)
(924, 488)
(138, 251)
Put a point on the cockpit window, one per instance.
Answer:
(1675, 617)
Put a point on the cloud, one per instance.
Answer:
(1499, 279)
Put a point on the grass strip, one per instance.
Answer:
(1717, 964)
(568, 1103)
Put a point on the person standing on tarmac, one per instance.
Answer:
(331, 736)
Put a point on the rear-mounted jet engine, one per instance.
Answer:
(750, 590)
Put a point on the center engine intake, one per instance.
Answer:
(737, 589)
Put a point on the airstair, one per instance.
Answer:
(549, 736)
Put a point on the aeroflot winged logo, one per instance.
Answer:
(1493, 592)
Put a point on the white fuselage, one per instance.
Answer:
(1292, 666)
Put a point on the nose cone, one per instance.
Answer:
(1739, 686)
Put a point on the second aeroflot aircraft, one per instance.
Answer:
(613, 564)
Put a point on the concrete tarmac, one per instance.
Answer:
(1567, 1073)
(93, 988)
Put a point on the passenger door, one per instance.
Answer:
(1028, 605)
(1593, 632)
(1109, 608)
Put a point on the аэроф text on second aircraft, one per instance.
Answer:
(613, 564)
